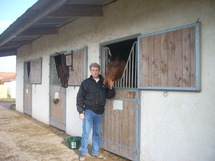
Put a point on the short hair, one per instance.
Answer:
(94, 65)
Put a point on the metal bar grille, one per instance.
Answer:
(129, 77)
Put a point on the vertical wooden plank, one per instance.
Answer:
(121, 134)
(132, 124)
(113, 133)
(110, 129)
(117, 123)
(178, 59)
(156, 61)
(104, 124)
(133, 130)
(110, 126)
(164, 64)
(143, 59)
(170, 58)
(186, 57)
(150, 59)
(193, 57)
(124, 128)
(125, 124)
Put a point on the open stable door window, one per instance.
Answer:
(75, 67)
(77, 61)
(170, 60)
(33, 71)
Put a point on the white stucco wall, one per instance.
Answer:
(3, 91)
(40, 92)
(178, 127)
(11, 88)
(72, 118)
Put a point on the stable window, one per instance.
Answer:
(78, 63)
(33, 71)
(72, 70)
(125, 50)
(170, 60)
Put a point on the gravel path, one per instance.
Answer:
(23, 138)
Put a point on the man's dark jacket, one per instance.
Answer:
(92, 95)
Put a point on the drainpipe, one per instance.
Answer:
(52, 7)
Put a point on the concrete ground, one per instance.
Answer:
(7, 104)
(23, 138)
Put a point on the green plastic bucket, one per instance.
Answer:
(74, 142)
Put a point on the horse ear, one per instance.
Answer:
(119, 56)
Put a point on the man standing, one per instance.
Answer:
(91, 99)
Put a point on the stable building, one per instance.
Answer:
(164, 104)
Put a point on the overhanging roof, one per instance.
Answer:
(46, 17)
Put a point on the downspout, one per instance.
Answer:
(53, 6)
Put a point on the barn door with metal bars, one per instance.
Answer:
(120, 127)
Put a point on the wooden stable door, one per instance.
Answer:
(58, 107)
(28, 99)
(120, 130)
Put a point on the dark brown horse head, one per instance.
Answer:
(114, 70)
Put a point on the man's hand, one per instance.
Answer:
(111, 85)
(81, 116)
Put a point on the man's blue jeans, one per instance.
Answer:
(91, 120)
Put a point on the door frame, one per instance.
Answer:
(50, 94)
(26, 89)
(137, 100)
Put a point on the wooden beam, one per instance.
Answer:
(39, 31)
(31, 16)
(7, 53)
(16, 43)
(78, 11)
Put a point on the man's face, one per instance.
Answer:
(94, 72)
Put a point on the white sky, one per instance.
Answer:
(10, 10)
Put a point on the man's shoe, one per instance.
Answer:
(99, 156)
(82, 158)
